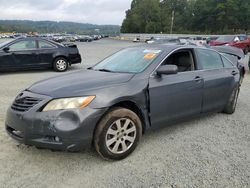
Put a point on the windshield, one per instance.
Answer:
(4, 43)
(131, 60)
(225, 38)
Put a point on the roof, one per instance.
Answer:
(165, 47)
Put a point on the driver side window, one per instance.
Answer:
(23, 45)
(182, 59)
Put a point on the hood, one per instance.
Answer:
(78, 83)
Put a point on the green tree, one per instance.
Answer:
(144, 16)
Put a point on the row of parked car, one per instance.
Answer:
(238, 41)
(59, 37)
(75, 38)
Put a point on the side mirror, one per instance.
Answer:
(167, 69)
(6, 49)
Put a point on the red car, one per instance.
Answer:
(238, 41)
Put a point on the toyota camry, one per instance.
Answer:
(112, 104)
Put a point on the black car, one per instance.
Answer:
(114, 102)
(84, 39)
(37, 53)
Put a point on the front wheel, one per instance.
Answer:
(117, 134)
(60, 64)
(231, 104)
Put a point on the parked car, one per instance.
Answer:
(84, 39)
(235, 55)
(169, 41)
(149, 39)
(238, 41)
(37, 53)
(59, 38)
(209, 39)
(96, 37)
(114, 102)
(199, 41)
(69, 39)
(136, 39)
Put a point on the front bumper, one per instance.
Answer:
(70, 130)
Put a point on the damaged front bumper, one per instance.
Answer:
(70, 130)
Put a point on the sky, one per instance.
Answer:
(83, 11)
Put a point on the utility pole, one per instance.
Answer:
(172, 22)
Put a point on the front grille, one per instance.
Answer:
(25, 103)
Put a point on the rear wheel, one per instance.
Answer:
(60, 64)
(231, 104)
(117, 134)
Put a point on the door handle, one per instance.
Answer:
(197, 79)
(234, 73)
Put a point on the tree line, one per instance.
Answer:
(187, 16)
(25, 26)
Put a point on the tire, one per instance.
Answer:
(60, 64)
(232, 102)
(117, 134)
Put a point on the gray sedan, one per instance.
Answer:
(113, 103)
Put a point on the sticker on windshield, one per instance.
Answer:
(149, 55)
(151, 51)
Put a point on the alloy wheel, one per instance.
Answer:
(61, 64)
(120, 135)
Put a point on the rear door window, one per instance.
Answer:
(227, 63)
(209, 59)
(45, 45)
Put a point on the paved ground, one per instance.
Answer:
(211, 151)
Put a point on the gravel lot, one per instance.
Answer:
(211, 151)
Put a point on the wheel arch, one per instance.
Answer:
(134, 108)
(128, 104)
(58, 56)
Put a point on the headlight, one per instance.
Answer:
(68, 103)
